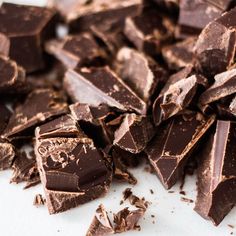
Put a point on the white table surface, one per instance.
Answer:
(173, 217)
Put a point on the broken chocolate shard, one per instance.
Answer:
(169, 157)
(224, 85)
(101, 85)
(140, 72)
(216, 174)
(126, 220)
(4, 45)
(134, 133)
(27, 28)
(7, 154)
(176, 97)
(4, 118)
(12, 76)
(49, 103)
(76, 51)
(216, 56)
(39, 200)
(101, 225)
(180, 54)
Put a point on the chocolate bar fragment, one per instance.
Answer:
(180, 54)
(12, 76)
(224, 85)
(4, 118)
(4, 45)
(27, 28)
(140, 72)
(101, 225)
(216, 56)
(134, 133)
(72, 171)
(175, 97)
(101, 85)
(49, 103)
(169, 157)
(76, 51)
(196, 14)
(217, 175)
(7, 154)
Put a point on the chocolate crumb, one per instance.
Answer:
(151, 191)
(39, 200)
(184, 199)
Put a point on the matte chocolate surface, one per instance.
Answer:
(27, 28)
(217, 175)
(169, 156)
(101, 85)
(7, 154)
(4, 45)
(4, 118)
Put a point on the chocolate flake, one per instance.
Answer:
(39, 200)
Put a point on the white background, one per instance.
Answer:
(18, 216)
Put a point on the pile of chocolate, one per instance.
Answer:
(89, 88)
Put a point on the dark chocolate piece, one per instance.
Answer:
(7, 154)
(49, 104)
(180, 54)
(76, 51)
(148, 31)
(12, 76)
(4, 45)
(39, 200)
(101, 85)
(224, 85)
(134, 133)
(4, 117)
(101, 225)
(217, 175)
(215, 56)
(169, 157)
(126, 220)
(175, 97)
(27, 28)
(140, 72)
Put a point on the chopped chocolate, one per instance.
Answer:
(184, 199)
(126, 220)
(147, 31)
(101, 225)
(215, 56)
(49, 103)
(180, 54)
(169, 160)
(101, 85)
(12, 76)
(134, 133)
(127, 193)
(27, 28)
(4, 45)
(4, 118)
(39, 200)
(140, 72)
(76, 51)
(176, 97)
(224, 85)
(72, 171)
(216, 174)
(7, 154)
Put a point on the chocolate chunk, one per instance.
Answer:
(217, 175)
(169, 157)
(101, 85)
(175, 97)
(7, 154)
(27, 28)
(196, 14)
(147, 31)
(4, 118)
(215, 56)
(126, 220)
(140, 72)
(25, 170)
(72, 171)
(101, 225)
(49, 104)
(12, 76)
(180, 54)
(4, 45)
(224, 85)
(134, 133)
(39, 200)
(76, 51)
